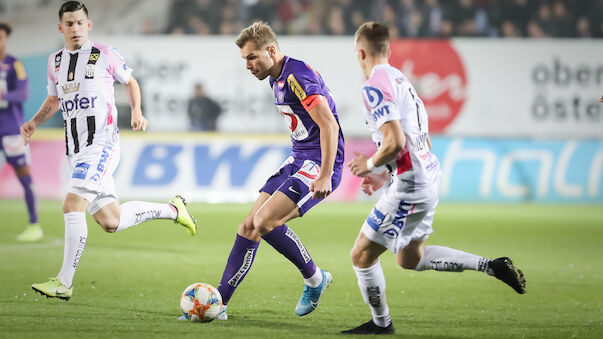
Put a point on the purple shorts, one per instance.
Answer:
(13, 147)
(294, 179)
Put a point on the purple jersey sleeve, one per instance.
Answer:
(304, 82)
(20, 92)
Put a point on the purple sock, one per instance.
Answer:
(30, 199)
(284, 240)
(239, 262)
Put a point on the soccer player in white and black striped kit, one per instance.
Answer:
(80, 83)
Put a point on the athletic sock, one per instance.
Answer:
(133, 213)
(287, 243)
(238, 264)
(372, 287)
(30, 199)
(315, 279)
(76, 233)
(448, 259)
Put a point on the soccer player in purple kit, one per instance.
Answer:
(311, 172)
(14, 90)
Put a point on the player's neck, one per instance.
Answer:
(75, 47)
(2, 55)
(277, 69)
(371, 63)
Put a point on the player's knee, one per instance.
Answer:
(408, 264)
(360, 258)
(109, 225)
(262, 224)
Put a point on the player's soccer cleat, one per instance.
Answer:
(53, 289)
(505, 271)
(311, 295)
(223, 315)
(33, 232)
(183, 217)
(371, 328)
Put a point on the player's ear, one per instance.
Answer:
(60, 28)
(89, 24)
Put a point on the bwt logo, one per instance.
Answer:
(375, 219)
(77, 103)
(80, 171)
(372, 96)
(100, 168)
(378, 113)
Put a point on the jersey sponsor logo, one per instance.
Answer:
(441, 85)
(77, 103)
(372, 96)
(71, 87)
(296, 87)
(298, 130)
(80, 171)
(379, 112)
(20, 70)
(57, 61)
(90, 71)
(94, 56)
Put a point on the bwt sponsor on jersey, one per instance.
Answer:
(378, 113)
(77, 103)
(80, 170)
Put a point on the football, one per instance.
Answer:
(201, 302)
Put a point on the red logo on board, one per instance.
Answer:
(437, 73)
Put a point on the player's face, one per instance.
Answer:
(258, 61)
(3, 40)
(75, 27)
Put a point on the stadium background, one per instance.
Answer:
(514, 118)
(512, 89)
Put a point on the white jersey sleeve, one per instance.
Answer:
(51, 87)
(380, 104)
(117, 65)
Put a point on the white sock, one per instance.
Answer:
(448, 259)
(315, 279)
(76, 233)
(372, 286)
(133, 213)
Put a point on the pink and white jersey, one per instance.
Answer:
(389, 96)
(83, 81)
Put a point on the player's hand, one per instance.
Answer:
(372, 183)
(27, 130)
(139, 123)
(358, 165)
(321, 187)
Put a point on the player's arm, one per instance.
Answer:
(393, 143)
(139, 123)
(329, 136)
(46, 111)
(21, 91)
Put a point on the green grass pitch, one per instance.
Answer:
(128, 284)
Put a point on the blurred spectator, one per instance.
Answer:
(203, 112)
(406, 18)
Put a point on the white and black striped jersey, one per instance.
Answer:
(83, 81)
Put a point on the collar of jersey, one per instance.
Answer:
(85, 47)
(377, 67)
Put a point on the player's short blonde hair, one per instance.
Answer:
(259, 33)
(376, 36)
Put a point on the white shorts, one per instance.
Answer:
(400, 217)
(92, 175)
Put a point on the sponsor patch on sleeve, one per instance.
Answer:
(296, 87)
(20, 70)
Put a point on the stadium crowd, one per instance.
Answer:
(407, 18)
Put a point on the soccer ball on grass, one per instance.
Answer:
(201, 302)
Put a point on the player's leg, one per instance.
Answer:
(17, 155)
(113, 217)
(269, 221)
(445, 259)
(241, 256)
(76, 234)
(33, 232)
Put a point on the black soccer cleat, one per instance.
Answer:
(370, 328)
(505, 271)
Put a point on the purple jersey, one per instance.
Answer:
(297, 83)
(15, 90)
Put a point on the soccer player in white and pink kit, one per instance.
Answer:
(80, 83)
(402, 218)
